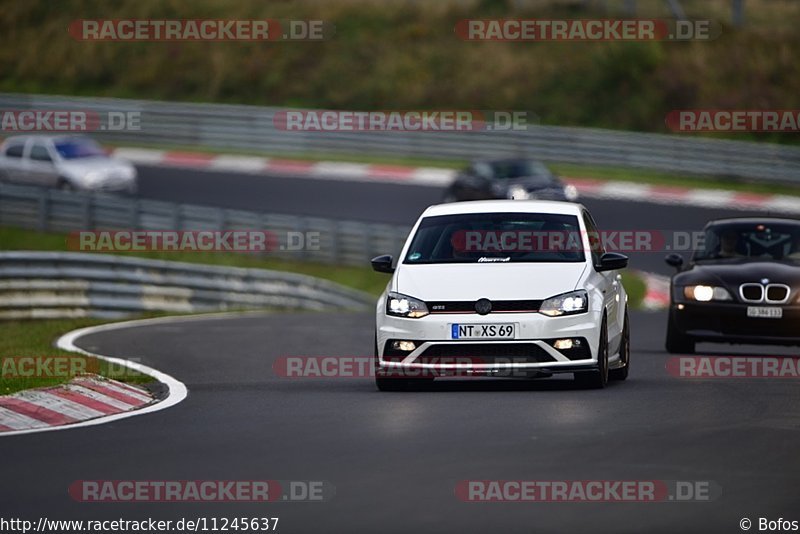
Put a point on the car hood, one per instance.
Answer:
(496, 281)
(733, 273)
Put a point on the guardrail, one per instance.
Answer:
(340, 242)
(251, 128)
(64, 284)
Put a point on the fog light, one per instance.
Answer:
(405, 346)
(563, 344)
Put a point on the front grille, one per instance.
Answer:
(484, 353)
(498, 306)
(777, 293)
(752, 292)
(771, 293)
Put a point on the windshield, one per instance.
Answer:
(78, 148)
(751, 242)
(497, 238)
(509, 170)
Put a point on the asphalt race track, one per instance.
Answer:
(395, 458)
(391, 203)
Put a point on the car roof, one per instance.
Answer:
(505, 206)
(43, 137)
(506, 160)
(752, 220)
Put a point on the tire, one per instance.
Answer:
(598, 378)
(624, 353)
(677, 342)
(65, 185)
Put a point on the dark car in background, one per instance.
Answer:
(741, 286)
(519, 179)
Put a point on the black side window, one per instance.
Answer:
(39, 153)
(15, 151)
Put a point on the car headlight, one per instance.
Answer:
(94, 177)
(128, 173)
(518, 193)
(404, 306)
(566, 304)
(571, 192)
(706, 293)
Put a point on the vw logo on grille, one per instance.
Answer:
(483, 306)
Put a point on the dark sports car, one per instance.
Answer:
(520, 179)
(741, 286)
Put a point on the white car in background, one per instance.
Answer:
(67, 162)
(502, 288)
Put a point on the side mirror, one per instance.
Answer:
(611, 261)
(382, 264)
(674, 260)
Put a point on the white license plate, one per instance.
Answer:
(766, 312)
(482, 331)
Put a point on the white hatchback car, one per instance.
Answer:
(502, 288)
(70, 162)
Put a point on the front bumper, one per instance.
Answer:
(729, 323)
(530, 352)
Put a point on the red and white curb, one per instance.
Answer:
(334, 170)
(74, 409)
(656, 295)
(437, 177)
(82, 399)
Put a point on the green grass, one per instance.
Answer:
(34, 339)
(405, 55)
(635, 287)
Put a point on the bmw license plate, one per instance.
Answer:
(482, 331)
(765, 312)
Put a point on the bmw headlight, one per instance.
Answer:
(400, 305)
(706, 293)
(566, 304)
